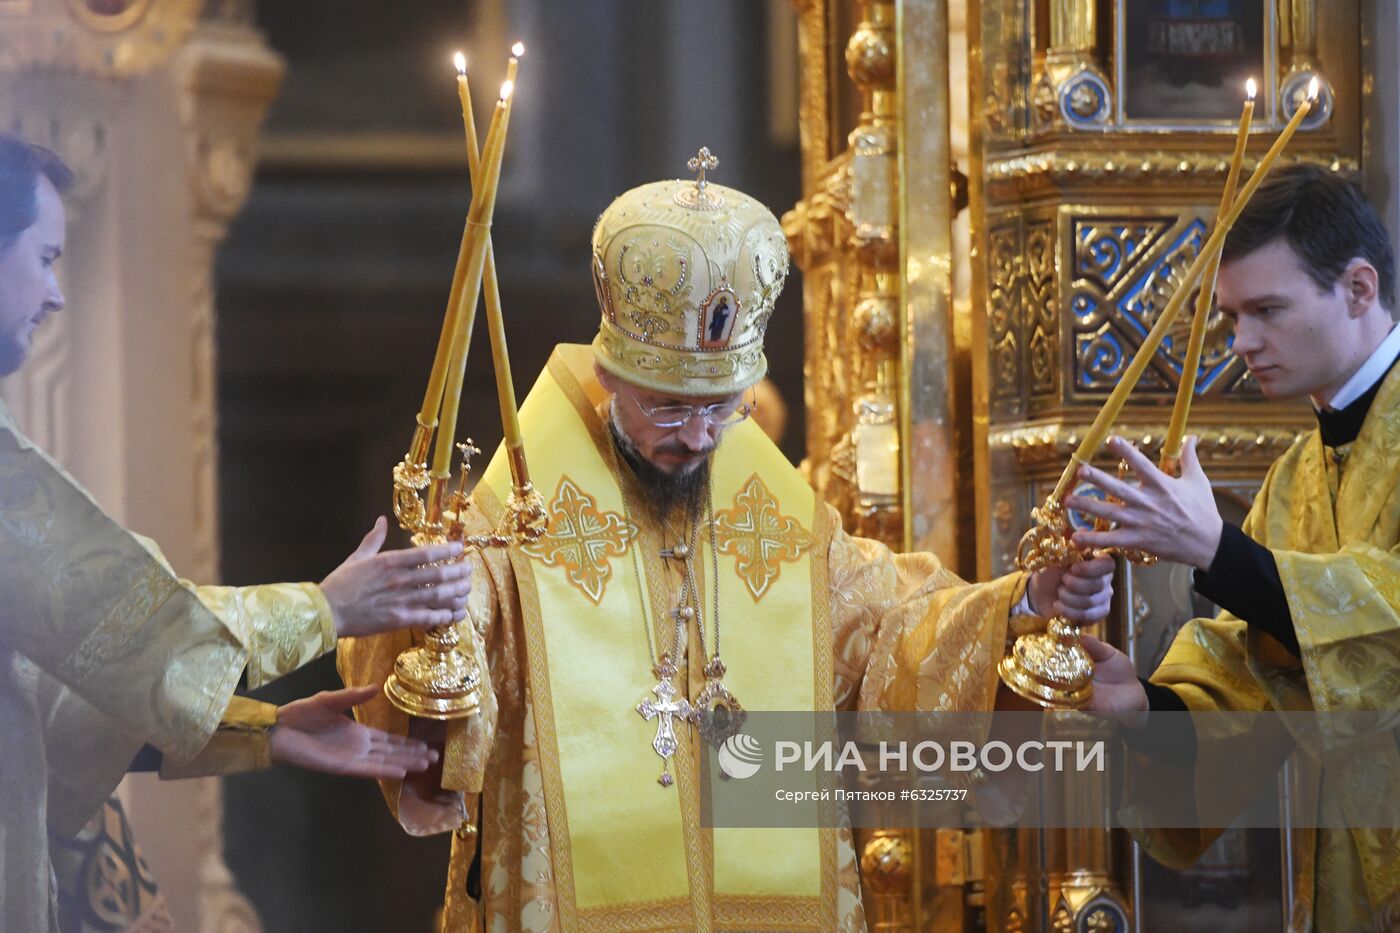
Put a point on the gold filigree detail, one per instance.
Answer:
(759, 536)
(1039, 173)
(582, 539)
(1040, 444)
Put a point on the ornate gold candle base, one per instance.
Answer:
(1051, 667)
(436, 680)
(440, 679)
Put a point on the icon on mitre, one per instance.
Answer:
(717, 319)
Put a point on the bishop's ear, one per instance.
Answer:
(605, 378)
(1361, 284)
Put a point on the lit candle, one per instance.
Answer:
(495, 321)
(478, 233)
(1103, 423)
(427, 414)
(1191, 363)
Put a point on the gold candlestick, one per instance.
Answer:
(1191, 362)
(441, 679)
(1052, 668)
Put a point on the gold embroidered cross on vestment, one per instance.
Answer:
(759, 536)
(582, 539)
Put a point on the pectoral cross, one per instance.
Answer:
(666, 709)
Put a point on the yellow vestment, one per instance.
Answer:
(1334, 529)
(103, 650)
(575, 831)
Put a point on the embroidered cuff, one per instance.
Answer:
(243, 742)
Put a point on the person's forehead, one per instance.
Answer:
(50, 218)
(1269, 269)
(1275, 257)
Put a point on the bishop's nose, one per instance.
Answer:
(694, 433)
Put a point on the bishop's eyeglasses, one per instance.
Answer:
(722, 414)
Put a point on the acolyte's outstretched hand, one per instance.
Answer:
(316, 734)
(1175, 519)
(374, 592)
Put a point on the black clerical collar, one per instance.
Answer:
(1341, 426)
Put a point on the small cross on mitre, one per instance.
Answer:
(700, 198)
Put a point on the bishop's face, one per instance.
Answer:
(1296, 338)
(675, 434)
(29, 290)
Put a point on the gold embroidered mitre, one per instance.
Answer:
(687, 273)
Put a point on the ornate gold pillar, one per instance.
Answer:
(873, 237)
(844, 235)
(157, 108)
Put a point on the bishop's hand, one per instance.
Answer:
(1081, 592)
(376, 591)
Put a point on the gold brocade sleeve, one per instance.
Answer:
(89, 605)
(284, 625)
(242, 742)
(909, 633)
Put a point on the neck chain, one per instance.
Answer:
(715, 713)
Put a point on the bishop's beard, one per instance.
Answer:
(664, 492)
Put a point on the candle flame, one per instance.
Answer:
(518, 49)
(1250, 88)
(1313, 88)
(507, 87)
(460, 61)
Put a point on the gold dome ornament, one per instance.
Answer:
(687, 273)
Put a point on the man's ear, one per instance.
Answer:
(1361, 286)
(605, 378)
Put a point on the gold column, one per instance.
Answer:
(1072, 90)
(871, 461)
(872, 236)
(1297, 29)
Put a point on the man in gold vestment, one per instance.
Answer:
(1311, 585)
(103, 651)
(687, 566)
